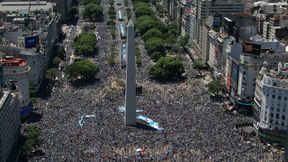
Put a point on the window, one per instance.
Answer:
(271, 115)
(277, 116)
(282, 123)
(273, 96)
(283, 117)
(274, 84)
(279, 97)
(271, 121)
(278, 109)
(285, 98)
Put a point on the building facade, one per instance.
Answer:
(16, 70)
(271, 100)
(9, 120)
(204, 8)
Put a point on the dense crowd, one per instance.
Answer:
(195, 127)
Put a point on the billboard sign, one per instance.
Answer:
(30, 42)
(25, 111)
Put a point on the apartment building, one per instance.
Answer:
(271, 100)
(16, 70)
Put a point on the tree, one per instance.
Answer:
(139, 4)
(51, 73)
(176, 48)
(73, 12)
(200, 65)
(167, 68)
(111, 2)
(94, 12)
(56, 61)
(111, 23)
(84, 50)
(113, 32)
(183, 41)
(85, 2)
(152, 33)
(128, 11)
(170, 40)
(144, 23)
(61, 52)
(155, 45)
(143, 10)
(111, 12)
(84, 69)
(157, 55)
(74, 3)
(111, 61)
(85, 44)
(216, 86)
(160, 9)
(86, 38)
(32, 139)
(138, 57)
(174, 28)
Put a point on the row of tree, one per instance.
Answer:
(74, 12)
(159, 38)
(31, 140)
(93, 11)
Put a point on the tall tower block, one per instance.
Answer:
(130, 98)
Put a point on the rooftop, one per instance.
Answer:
(280, 73)
(24, 5)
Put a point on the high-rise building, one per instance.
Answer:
(16, 70)
(9, 121)
(250, 63)
(271, 98)
(63, 7)
(204, 8)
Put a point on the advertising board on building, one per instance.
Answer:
(30, 41)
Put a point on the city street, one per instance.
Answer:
(195, 127)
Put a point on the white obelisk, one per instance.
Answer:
(130, 98)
